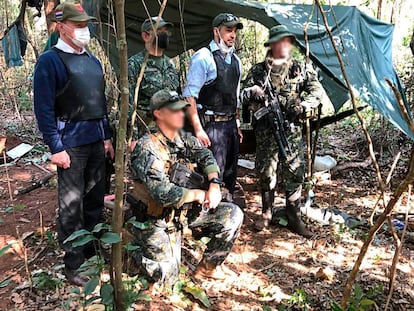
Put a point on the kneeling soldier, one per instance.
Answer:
(171, 192)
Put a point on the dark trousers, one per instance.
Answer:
(225, 145)
(81, 196)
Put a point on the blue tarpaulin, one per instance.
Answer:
(365, 42)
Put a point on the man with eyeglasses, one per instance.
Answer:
(159, 73)
(168, 205)
(212, 89)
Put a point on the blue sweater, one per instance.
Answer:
(49, 77)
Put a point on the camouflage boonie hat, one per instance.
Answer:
(71, 11)
(279, 32)
(148, 24)
(169, 99)
(227, 19)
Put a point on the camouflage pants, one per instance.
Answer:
(160, 254)
(267, 159)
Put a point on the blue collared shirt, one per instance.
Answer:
(203, 70)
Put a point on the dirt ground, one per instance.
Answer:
(271, 265)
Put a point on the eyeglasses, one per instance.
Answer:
(229, 18)
(174, 97)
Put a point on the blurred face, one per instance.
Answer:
(228, 34)
(281, 48)
(149, 36)
(171, 119)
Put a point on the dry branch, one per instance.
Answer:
(409, 179)
(399, 244)
(116, 262)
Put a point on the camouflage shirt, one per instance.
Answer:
(160, 73)
(294, 84)
(155, 153)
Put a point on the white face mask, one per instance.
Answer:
(224, 48)
(81, 37)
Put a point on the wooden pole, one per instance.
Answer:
(116, 266)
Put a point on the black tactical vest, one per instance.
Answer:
(220, 95)
(83, 96)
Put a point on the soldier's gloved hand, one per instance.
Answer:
(253, 92)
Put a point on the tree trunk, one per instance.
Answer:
(49, 6)
(379, 9)
(120, 155)
(412, 43)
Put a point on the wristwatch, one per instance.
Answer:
(216, 180)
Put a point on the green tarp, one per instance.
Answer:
(365, 42)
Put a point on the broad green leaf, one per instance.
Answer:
(140, 225)
(19, 207)
(90, 286)
(76, 235)
(283, 222)
(101, 226)
(178, 286)
(91, 271)
(358, 292)
(5, 283)
(4, 249)
(198, 294)
(107, 294)
(366, 302)
(8, 209)
(75, 290)
(83, 240)
(130, 247)
(144, 297)
(110, 238)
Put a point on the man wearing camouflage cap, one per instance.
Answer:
(212, 89)
(70, 107)
(163, 198)
(298, 91)
(159, 73)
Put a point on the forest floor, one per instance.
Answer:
(276, 269)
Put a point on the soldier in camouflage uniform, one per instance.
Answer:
(159, 73)
(160, 252)
(299, 91)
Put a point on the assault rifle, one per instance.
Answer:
(181, 175)
(279, 125)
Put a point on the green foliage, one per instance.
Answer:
(299, 300)
(360, 301)
(4, 249)
(198, 294)
(43, 281)
(5, 283)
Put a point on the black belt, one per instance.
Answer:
(218, 118)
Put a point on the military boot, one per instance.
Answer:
(295, 223)
(268, 198)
